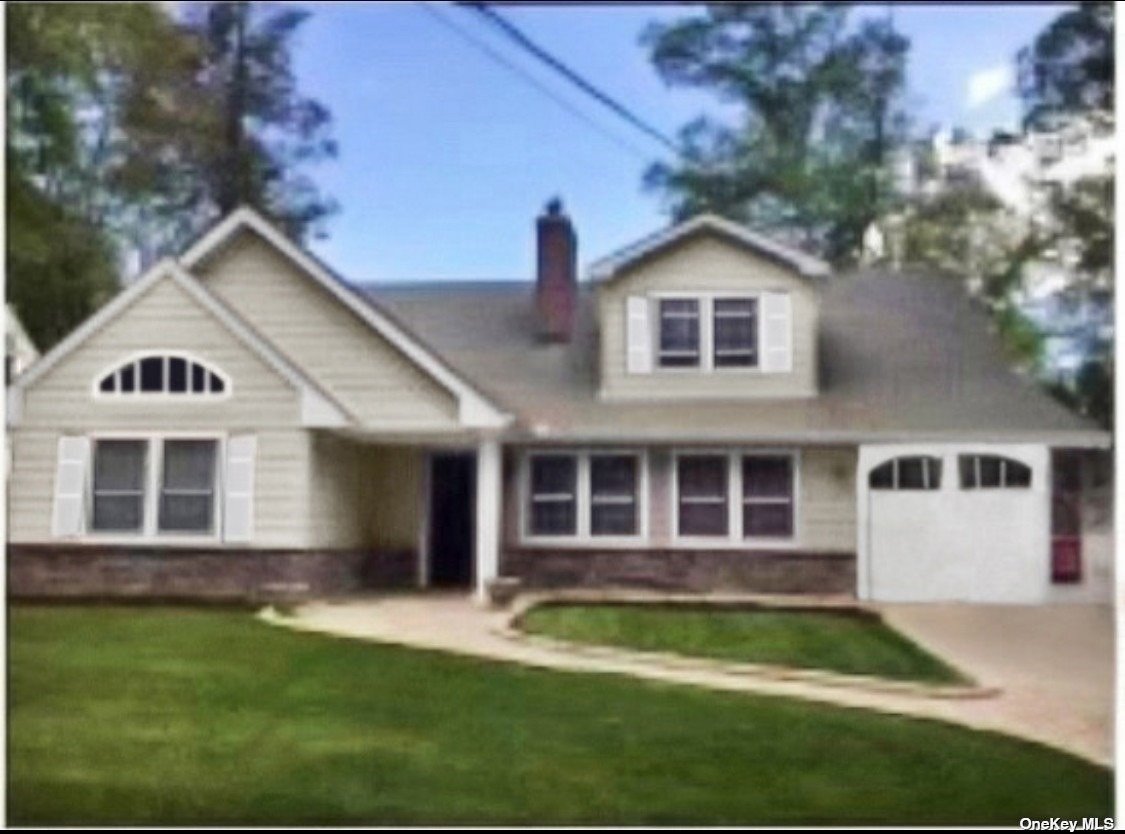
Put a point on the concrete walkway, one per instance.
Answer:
(1053, 665)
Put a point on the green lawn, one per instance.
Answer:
(850, 642)
(161, 715)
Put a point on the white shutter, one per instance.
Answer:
(70, 486)
(238, 488)
(638, 335)
(777, 333)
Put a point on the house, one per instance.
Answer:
(710, 410)
(19, 351)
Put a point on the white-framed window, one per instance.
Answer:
(188, 482)
(731, 497)
(553, 495)
(154, 487)
(910, 472)
(708, 332)
(767, 496)
(993, 472)
(162, 374)
(703, 503)
(573, 496)
(735, 332)
(614, 481)
(117, 486)
(679, 333)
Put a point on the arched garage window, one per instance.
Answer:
(914, 472)
(993, 472)
(166, 374)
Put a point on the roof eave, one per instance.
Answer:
(605, 269)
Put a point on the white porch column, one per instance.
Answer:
(487, 545)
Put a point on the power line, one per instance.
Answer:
(531, 79)
(518, 36)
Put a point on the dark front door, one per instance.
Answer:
(451, 520)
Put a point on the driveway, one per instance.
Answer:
(1053, 664)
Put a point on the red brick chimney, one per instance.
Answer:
(556, 278)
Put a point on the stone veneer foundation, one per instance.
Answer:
(768, 572)
(213, 575)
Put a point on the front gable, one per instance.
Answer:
(358, 366)
(714, 275)
(167, 314)
(385, 376)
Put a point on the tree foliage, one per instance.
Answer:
(1069, 69)
(819, 109)
(130, 129)
(66, 66)
(1067, 76)
(235, 129)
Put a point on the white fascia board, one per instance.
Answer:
(805, 264)
(475, 410)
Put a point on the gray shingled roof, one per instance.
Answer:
(902, 357)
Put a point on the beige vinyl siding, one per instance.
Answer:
(31, 484)
(661, 522)
(281, 516)
(364, 496)
(164, 318)
(395, 480)
(370, 377)
(826, 505)
(705, 263)
(335, 481)
(281, 490)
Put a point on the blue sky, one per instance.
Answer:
(446, 157)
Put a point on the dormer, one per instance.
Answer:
(708, 309)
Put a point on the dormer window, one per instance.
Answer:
(736, 332)
(708, 332)
(165, 374)
(679, 332)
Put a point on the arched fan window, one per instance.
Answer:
(915, 472)
(166, 374)
(993, 472)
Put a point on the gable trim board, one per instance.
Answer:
(608, 268)
(474, 409)
(318, 408)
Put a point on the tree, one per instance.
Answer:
(131, 130)
(1067, 76)
(66, 65)
(60, 267)
(819, 111)
(1068, 70)
(236, 130)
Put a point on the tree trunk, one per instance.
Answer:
(234, 189)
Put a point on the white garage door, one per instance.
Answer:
(954, 523)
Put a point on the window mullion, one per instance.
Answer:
(583, 492)
(706, 333)
(154, 452)
(734, 502)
